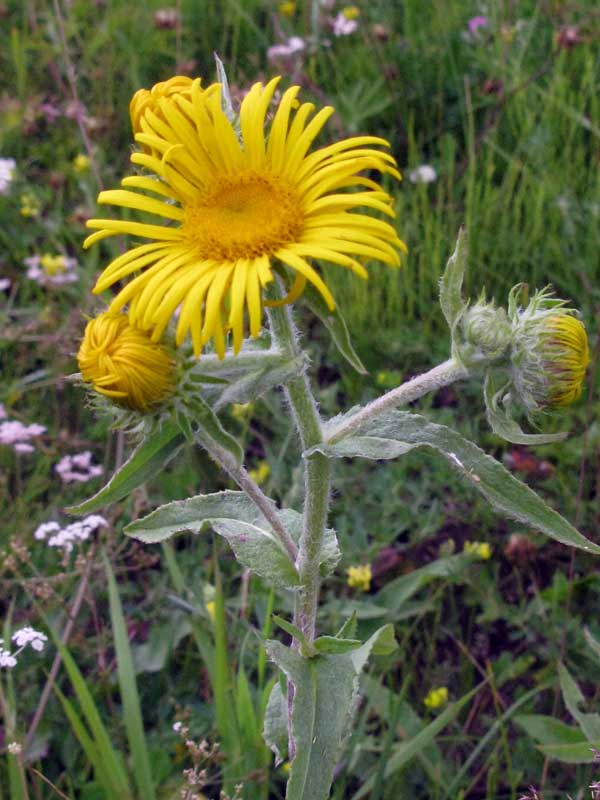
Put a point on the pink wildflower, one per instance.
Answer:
(78, 468)
(8, 167)
(475, 23)
(14, 433)
(281, 52)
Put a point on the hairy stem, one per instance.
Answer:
(317, 477)
(442, 375)
(240, 476)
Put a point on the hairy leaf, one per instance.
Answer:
(324, 689)
(231, 515)
(402, 431)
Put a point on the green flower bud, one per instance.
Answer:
(486, 334)
(550, 352)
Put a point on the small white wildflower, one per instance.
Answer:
(342, 26)
(6, 658)
(177, 726)
(44, 529)
(29, 635)
(94, 521)
(292, 47)
(14, 748)
(8, 167)
(78, 468)
(423, 174)
(15, 433)
(5, 284)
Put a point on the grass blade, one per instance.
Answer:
(129, 694)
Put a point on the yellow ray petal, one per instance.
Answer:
(253, 299)
(298, 263)
(125, 199)
(238, 295)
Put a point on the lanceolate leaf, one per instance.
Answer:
(400, 432)
(324, 690)
(148, 460)
(275, 731)
(557, 740)
(231, 515)
(336, 325)
(451, 283)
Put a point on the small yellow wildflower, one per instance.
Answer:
(286, 767)
(30, 205)
(359, 577)
(211, 608)
(81, 163)
(122, 363)
(287, 9)
(351, 12)
(53, 265)
(261, 473)
(480, 549)
(436, 698)
(241, 411)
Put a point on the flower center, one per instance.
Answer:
(244, 216)
(53, 265)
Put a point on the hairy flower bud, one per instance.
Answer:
(550, 353)
(122, 363)
(486, 332)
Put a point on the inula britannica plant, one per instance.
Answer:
(235, 210)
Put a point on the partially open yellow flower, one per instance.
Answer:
(149, 100)
(122, 363)
(566, 357)
(236, 205)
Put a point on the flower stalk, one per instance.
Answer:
(240, 476)
(317, 477)
(444, 374)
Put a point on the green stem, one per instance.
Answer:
(240, 476)
(317, 477)
(442, 375)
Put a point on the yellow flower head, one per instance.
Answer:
(480, 549)
(53, 265)
(235, 206)
(81, 163)
(360, 577)
(436, 698)
(30, 205)
(566, 357)
(261, 473)
(152, 101)
(287, 9)
(122, 363)
(351, 12)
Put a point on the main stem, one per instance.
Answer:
(317, 477)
